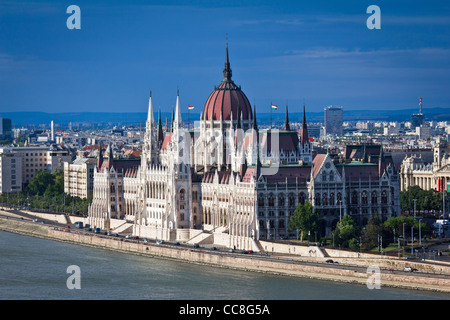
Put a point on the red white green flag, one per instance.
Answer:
(274, 106)
(190, 107)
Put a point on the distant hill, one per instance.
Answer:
(138, 118)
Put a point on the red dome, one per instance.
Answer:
(227, 98)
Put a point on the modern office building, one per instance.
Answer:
(334, 118)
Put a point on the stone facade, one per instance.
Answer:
(229, 182)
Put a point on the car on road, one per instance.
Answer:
(196, 245)
(409, 269)
(213, 248)
(329, 261)
(177, 243)
(159, 242)
(249, 251)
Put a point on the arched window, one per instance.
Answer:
(271, 200)
(301, 198)
(384, 197)
(324, 176)
(374, 197)
(324, 199)
(281, 200)
(364, 197)
(182, 194)
(354, 197)
(332, 202)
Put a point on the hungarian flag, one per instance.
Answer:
(274, 106)
(190, 107)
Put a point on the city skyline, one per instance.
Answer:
(321, 53)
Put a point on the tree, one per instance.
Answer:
(304, 219)
(40, 182)
(346, 230)
(375, 233)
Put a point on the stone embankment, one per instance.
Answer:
(249, 262)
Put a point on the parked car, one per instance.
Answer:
(249, 251)
(408, 269)
(177, 243)
(213, 248)
(135, 237)
(329, 261)
(159, 242)
(196, 245)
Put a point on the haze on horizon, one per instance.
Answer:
(282, 53)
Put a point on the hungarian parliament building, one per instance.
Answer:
(230, 183)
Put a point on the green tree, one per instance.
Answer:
(375, 232)
(345, 231)
(40, 182)
(304, 219)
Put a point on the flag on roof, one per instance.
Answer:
(190, 107)
(274, 106)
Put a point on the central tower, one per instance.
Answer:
(226, 108)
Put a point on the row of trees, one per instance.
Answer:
(46, 192)
(424, 200)
(347, 234)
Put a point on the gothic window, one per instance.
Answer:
(261, 200)
(281, 223)
(364, 197)
(354, 197)
(301, 198)
(331, 176)
(317, 199)
(324, 176)
(384, 197)
(324, 199)
(374, 197)
(182, 194)
(281, 200)
(291, 200)
(271, 200)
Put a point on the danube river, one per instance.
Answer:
(33, 268)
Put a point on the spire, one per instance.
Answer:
(150, 119)
(159, 131)
(177, 118)
(287, 127)
(109, 154)
(227, 70)
(254, 124)
(100, 157)
(304, 137)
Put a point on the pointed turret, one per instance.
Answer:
(304, 133)
(159, 132)
(150, 115)
(287, 126)
(227, 69)
(177, 120)
(100, 157)
(109, 154)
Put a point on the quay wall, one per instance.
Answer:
(226, 260)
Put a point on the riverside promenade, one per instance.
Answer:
(345, 268)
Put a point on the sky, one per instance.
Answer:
(282, 52)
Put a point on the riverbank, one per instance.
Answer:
(282, 265)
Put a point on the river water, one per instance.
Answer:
(37, 269)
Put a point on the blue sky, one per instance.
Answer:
(280, 52)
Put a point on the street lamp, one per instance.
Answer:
(404, 238)
(414, 208)
(420, 234)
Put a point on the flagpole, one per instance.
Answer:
(271, 115)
